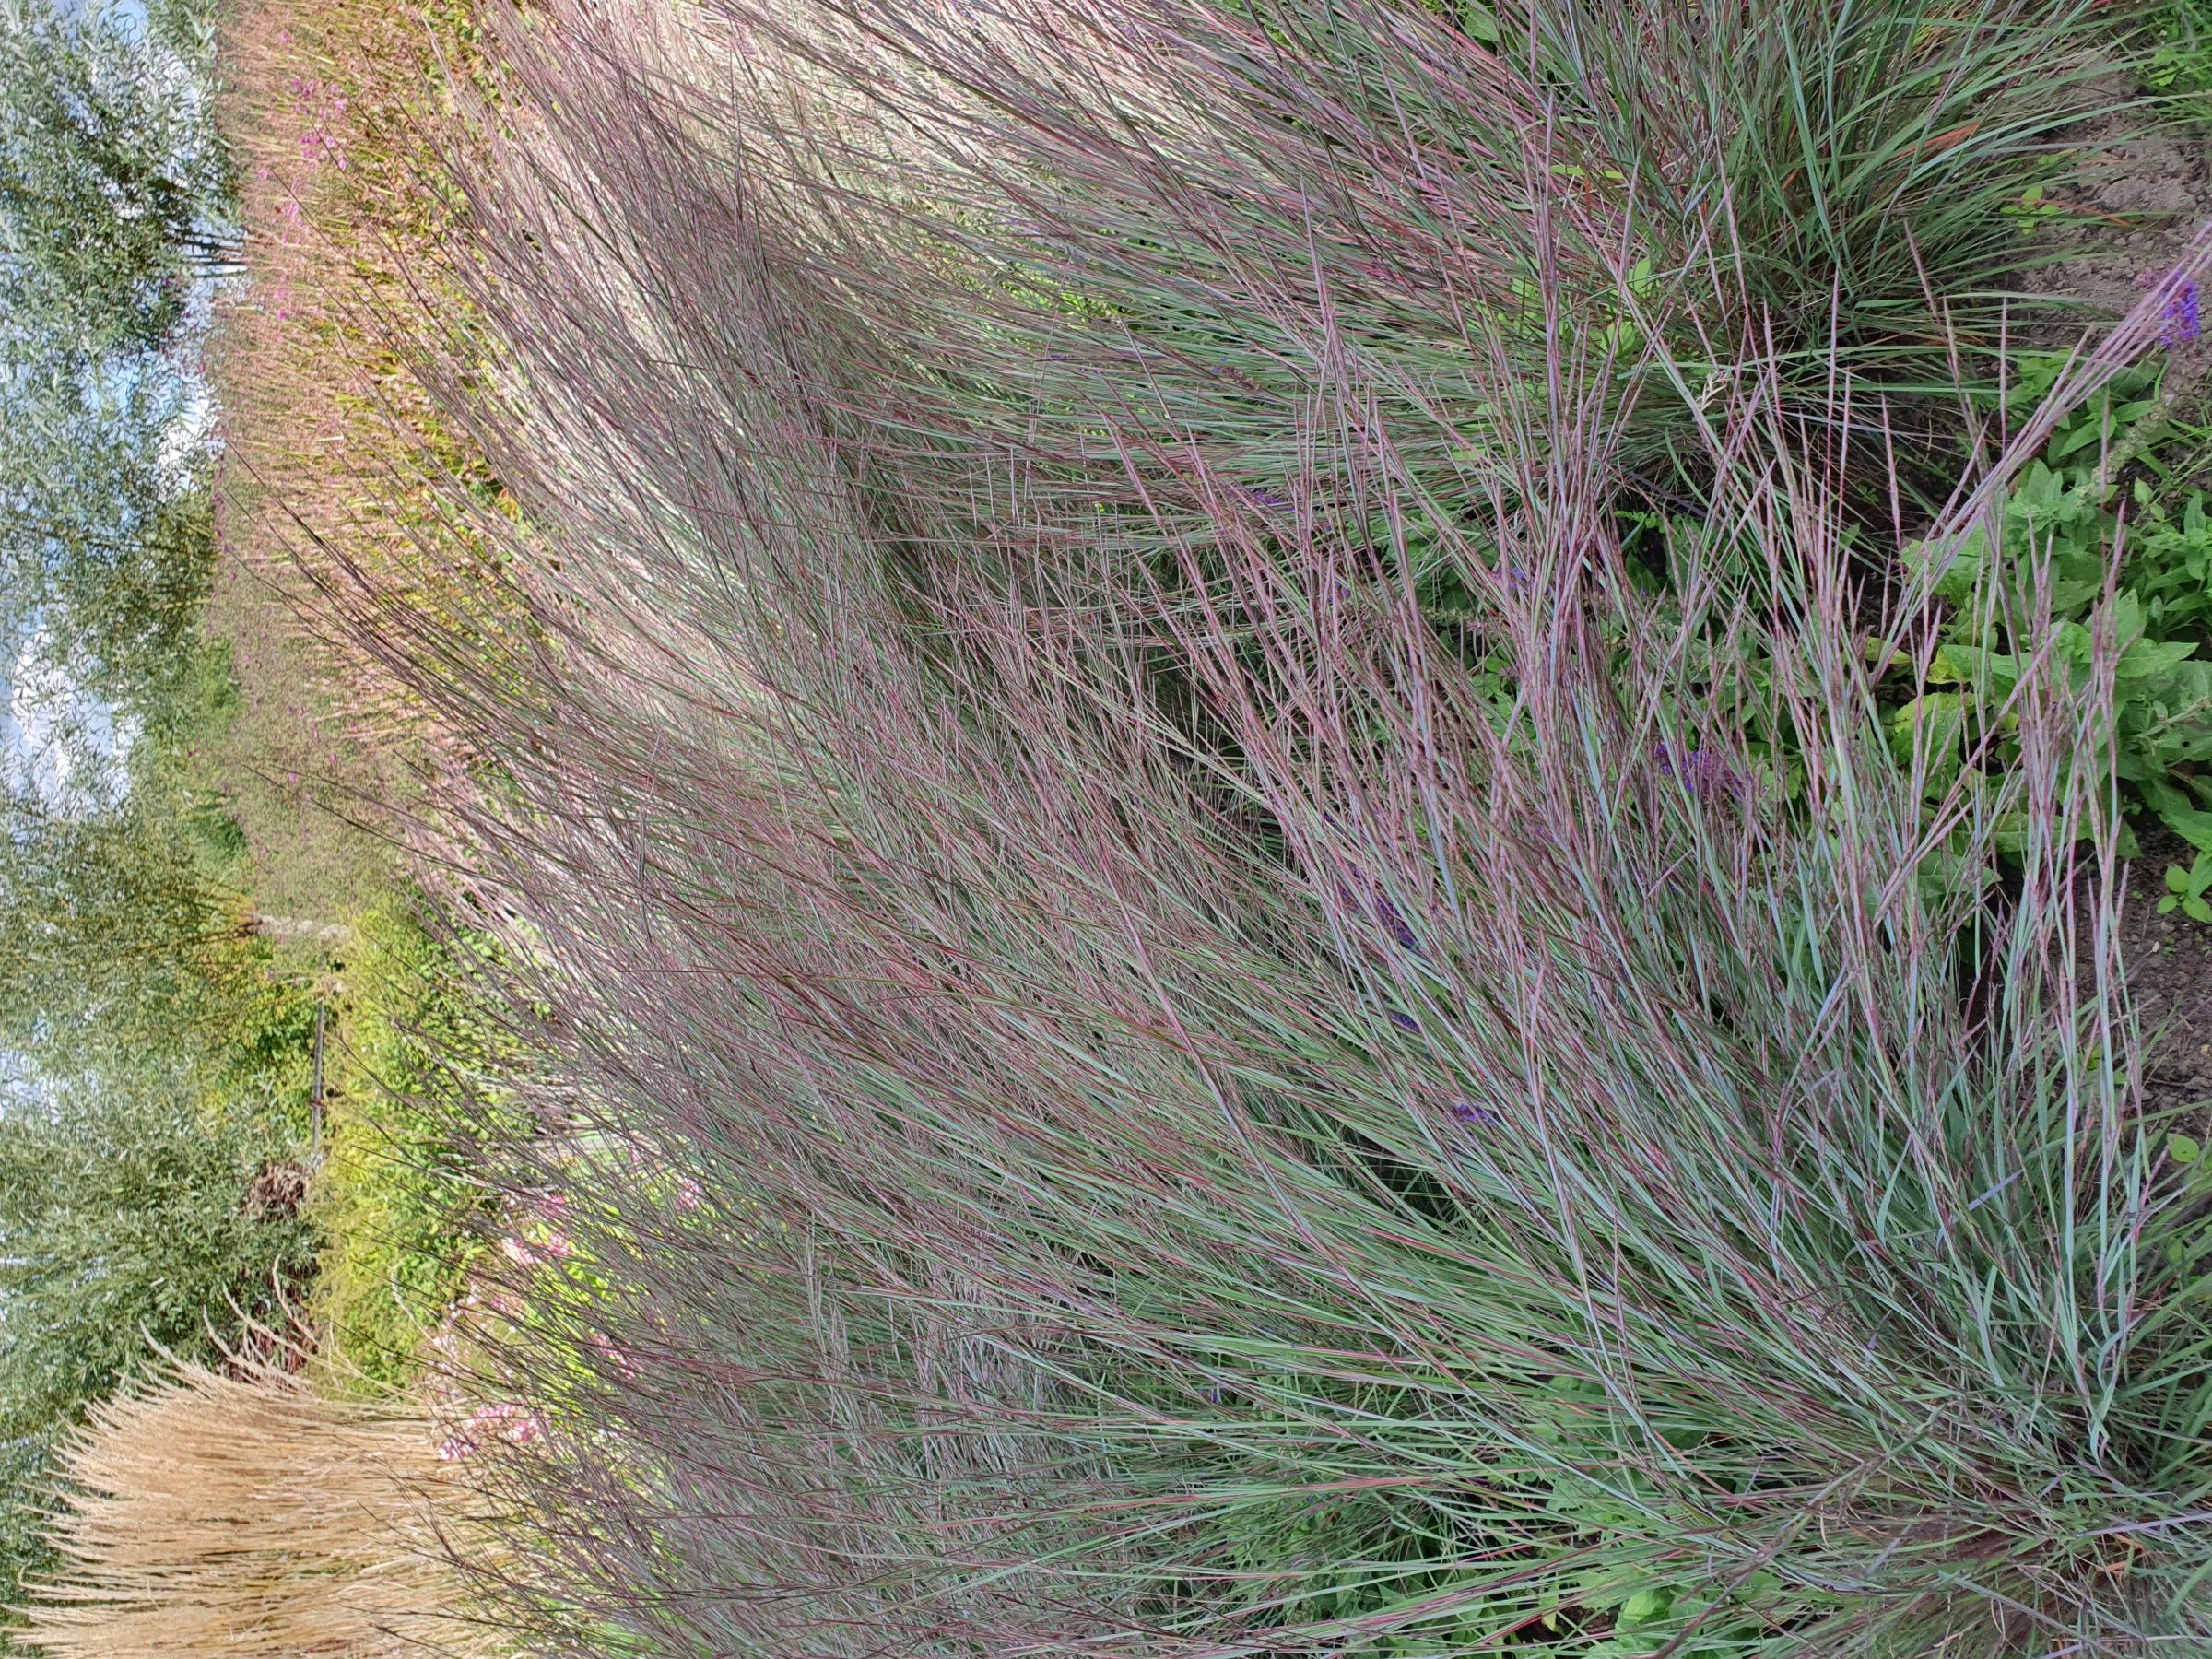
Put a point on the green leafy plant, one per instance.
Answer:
(2031, 209)
(416, 1093)
(2179, 60)
(2185, 889)
(2104, 532)
(1572, 1491)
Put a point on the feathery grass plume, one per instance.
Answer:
(240, 1513)
(1192, 1018)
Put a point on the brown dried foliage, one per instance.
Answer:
(247, 1516)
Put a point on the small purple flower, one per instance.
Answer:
(1405, 1022)
(1701, 772)
(2181, 321)
(1387, 913)
(1268, 498)
(2183, 325)
(1466, 1112)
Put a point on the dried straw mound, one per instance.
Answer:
(243, 1516)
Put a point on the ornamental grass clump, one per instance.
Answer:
(240, 1514)
(1204, 986)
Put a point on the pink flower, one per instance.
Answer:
(540, 1237)
(617, 1355)
(523, 1427)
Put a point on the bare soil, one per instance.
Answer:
(2168, 960)
(2134, 200)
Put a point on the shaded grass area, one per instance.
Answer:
(312, 802)
(336, 462)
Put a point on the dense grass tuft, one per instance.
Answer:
(1230, 957)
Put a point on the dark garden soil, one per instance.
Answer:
(2168, 960)
(2140, 199)
(2169, 965)
(2137, 199)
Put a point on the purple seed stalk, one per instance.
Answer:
(2183, 324)
(1701, 772)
